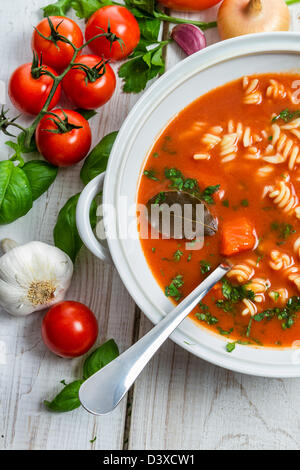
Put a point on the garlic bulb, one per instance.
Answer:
(32, 277)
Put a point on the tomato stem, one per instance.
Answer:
(56, 81)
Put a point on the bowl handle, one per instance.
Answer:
(83, 219)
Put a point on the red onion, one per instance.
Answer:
(189, 37)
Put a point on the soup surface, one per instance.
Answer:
(238, 149)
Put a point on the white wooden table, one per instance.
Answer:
(179, 402)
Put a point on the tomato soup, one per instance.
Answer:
(240, 146)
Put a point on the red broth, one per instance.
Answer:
(243, 193)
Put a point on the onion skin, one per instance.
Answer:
(189, 37)
(239, 17)
(189, 5)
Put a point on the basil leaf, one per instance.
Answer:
(40, 175)
(66, 236)
(59, 8)
(15, 192)
(96, 161)
(67, 399)
(86, 113)
(100, 358)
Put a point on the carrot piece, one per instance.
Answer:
(237, 235)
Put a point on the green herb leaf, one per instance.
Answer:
(15, 192)
(59, 8)
(208, 192)
(284, 230)
(205, 266)
(230, 346)
(207, 318)
(173, 289)
(286, 314)
(67, 399)
(177, 255)
(233, 294)
(85, 8)
(102, 356)
(40, 175)
(86, 113)
(66, 236)
(151, 175)
(144, 65)
(96, 162)
(224, 332)
(286, 115)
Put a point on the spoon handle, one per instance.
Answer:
(102, 392)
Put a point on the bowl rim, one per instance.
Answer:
(278, 42)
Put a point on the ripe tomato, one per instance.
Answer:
(189, 5)
(63, 148)
(58, 55)
(115, 20)
(90, 93)
(29, 94)
(69, 329)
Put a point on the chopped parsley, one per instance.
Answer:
(224, 332)
(225, 203)
(208, 192)
(177, 255)
(173, 289)
(190, 185)
(286, 314)
(286, 115)
(249, 327)
(189, 258)
(160, 198)
(233, 294)
(207, 318)
(151, 175)
(283, 230)
(244, 203)
(230, 346)
(205, 266)
(153, 249)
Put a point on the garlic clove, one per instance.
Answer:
(189, 37)
(33, 277)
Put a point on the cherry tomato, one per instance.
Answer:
(29, 94)
(189, 5)
(119, 21)
(69, 329)
(63, 148)
(58, 55)
(88, 94)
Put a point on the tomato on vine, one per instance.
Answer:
(121, 32)
(91, 83)
(48, 44)
(63, 137)
(29, 87)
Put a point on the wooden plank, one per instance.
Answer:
(31, 373)
(182, 402)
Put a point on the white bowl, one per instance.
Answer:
(199, 73)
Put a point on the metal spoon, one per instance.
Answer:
(104, 390)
